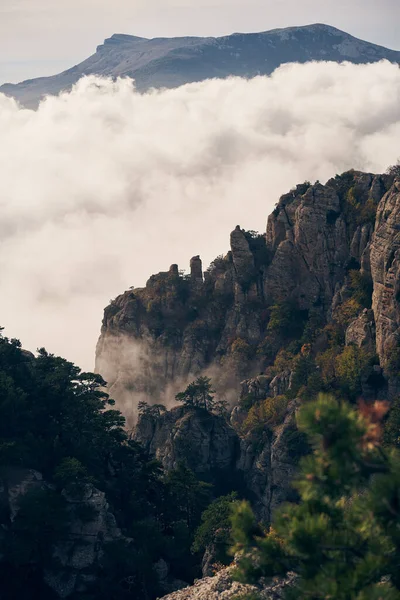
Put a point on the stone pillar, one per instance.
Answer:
(196, 269)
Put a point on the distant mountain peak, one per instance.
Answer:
(171, 62)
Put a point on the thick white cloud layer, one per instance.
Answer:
(103, 186)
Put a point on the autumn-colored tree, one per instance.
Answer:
(343, 538)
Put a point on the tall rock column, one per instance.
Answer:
(385, 270)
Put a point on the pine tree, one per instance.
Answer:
(198, 394)
(343, 538)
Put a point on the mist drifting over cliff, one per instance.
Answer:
(103, 186)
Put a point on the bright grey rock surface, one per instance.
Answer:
(223, 587)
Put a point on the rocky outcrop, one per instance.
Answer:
(89, 525)
(78, 556)
(257, 388)
(326, 247)
(361, 331)
(205, 442)
(314, 237)
(223, 587)
(243, 259)
(281, 383)
(14, 484)
(268, 461)
(154, 340)
(196, 269)
(263, 461)
(385, 270)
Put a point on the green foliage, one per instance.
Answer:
(393, 358)
(265, 414)
(362, 288)
(199, 394)
(303, 370)
(359, 209)
(347, 312)
(57, 420)
(242, 349)
(246, 402)
(392, 425)
(50, 411)
(189, 496)
(258, 247)
(302, 188)
(286, 319)
(342, 538)
(216, 528)
(351, 365)
(71, 474)
(394, 170)
(150, 410)
(313, 326)
(218, 264)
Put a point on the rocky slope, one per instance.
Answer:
(222, 587)
(260, 465)
(221, 323)
(165, 62)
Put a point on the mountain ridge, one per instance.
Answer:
(170, 62)
(327, 257)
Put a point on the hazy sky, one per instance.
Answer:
(42, 37)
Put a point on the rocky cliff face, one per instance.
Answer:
(204, 441)
(316, 235)
(244, 319)
(385, 271)
(260, 464)
(78, 549)
(268, 462)
(154, 340)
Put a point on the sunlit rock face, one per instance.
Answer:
(223, 585)
(385, 270)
